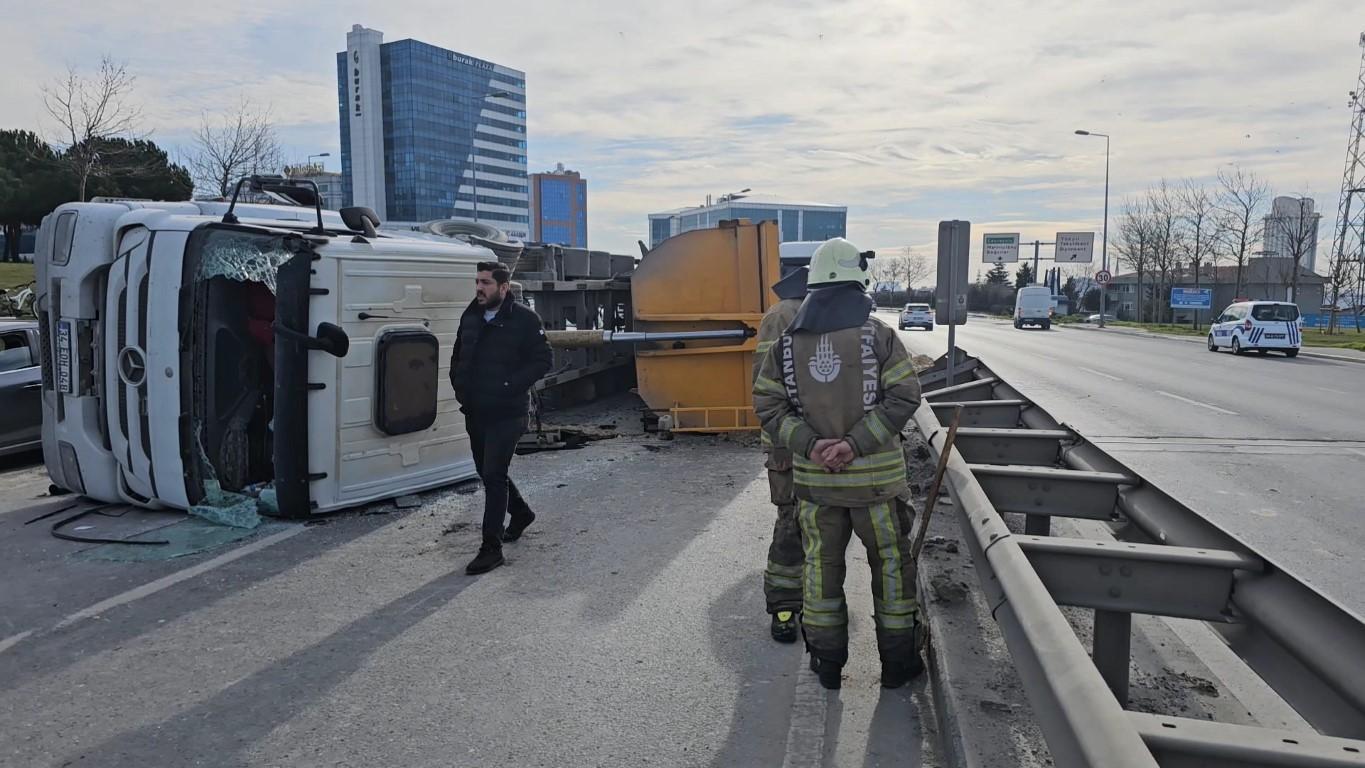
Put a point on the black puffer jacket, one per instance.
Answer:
(495, 363)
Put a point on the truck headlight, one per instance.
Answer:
(71, 468)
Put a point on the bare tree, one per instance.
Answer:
(912, 267)
(1166, 243)
(231, 145)
(1199, 215)
(885, 272)
(1134, 246)
(1341, 274)
(1292, 238)
(89, 111)
(1239, 204)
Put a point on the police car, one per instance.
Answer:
(917, 316)
(1263, 326)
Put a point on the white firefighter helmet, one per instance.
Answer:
(838, 261)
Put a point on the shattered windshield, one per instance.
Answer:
(242, 256)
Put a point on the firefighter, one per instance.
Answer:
(782, 576)
(836, 389)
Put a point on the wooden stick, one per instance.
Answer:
(932, 499)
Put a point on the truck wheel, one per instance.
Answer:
(1291, 353)
(1018, 325)
(1047, 325)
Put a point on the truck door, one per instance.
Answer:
(398, 428)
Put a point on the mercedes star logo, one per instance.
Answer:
(132, 366)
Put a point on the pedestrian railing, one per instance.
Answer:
(1165, 560)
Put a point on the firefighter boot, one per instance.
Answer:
(901, 661)
(829, 672)
(785, 626)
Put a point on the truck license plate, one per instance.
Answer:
(1274, 335)
(64, 331)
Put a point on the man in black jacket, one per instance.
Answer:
(500, 352)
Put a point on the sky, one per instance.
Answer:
(906, 112)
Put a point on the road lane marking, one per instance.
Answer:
(810, 712)
(151, 588)
(1223, 411)
(1333, 391)
(1356, 451)
(1100, 373)
(10, 642)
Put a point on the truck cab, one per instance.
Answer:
(190, 355)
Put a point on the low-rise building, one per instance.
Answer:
(1262, 278)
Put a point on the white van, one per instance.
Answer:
(189, 349)
(1033, 306)
(1264, 326)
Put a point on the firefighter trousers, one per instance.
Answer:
(884, 529)
(782, 576)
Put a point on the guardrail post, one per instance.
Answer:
(1113, 630)
(1038, 525)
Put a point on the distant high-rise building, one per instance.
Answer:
(559, 208)
(1291, 231)
(428, 133)
(796, 221)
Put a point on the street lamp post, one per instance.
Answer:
(320, 154)
(1104, 248)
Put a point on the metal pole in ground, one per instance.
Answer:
(1036, 243)
(952, 310)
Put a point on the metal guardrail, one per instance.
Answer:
(1167, 560)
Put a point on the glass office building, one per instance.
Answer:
(428, 133)
(559, 208)
(796, 221)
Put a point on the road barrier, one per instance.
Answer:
(1166, 560)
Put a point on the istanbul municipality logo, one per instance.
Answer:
(824, 364)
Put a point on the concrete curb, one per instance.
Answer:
(1303, 351)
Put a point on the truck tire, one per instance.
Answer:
(1047, 325)
(1291, 353)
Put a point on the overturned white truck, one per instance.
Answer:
(201, 353)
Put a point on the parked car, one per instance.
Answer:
(1095, 318)
(917, 316)
(1260, 325)
(21, 380)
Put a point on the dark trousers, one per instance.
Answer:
(494, 443)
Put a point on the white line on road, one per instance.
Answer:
(806, 735)
(1333, 391)
(1223, 411)
(1356, 451)
(10, 642)
(1100, 373)
(164, 582)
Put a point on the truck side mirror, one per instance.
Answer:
(333, 340)
(330, 339)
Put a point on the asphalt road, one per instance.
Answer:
(627, 629)
(1273, 449)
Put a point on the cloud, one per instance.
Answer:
(906, 113)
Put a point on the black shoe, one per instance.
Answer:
(487, 559)
(902, 670)
(830, 674)
(785, 626)
(518, 525)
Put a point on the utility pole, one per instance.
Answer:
(1350, 230)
